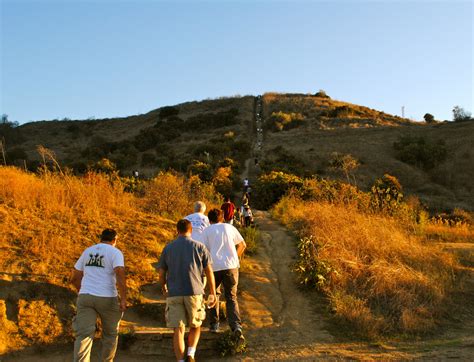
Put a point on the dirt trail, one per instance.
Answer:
(285, 323)
(276, 313)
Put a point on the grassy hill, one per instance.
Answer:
(301, 135)
(169, 137)
(317, 127)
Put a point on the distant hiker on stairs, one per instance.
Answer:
(228, 208)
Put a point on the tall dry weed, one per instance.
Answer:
(383, 279)
(47, 220)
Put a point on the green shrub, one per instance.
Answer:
(269, 188)
(16, 154)
(228, 346)
(280, 121)
(420, 152)
(342, 112)
(10, 131)
(168, 111)
(207, 121)
(201, 169)
(252, 237)
(150, 137)
(322, 94)
(429, 118)
(335, 192)
(281, 159)
(311, 270)
(386, 194)
(105, 166)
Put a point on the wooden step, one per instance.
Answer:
(159, 342)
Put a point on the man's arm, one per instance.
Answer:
(76, 278)
(122, 286)
(212, 285)
(162, 280)
(241, 247)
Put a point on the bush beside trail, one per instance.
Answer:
(380, 277)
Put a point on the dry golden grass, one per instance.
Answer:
(384, 279)
(316, 110)
(47, 220)
(445, 233)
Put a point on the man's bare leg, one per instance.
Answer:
(178, 342)
(193, 338)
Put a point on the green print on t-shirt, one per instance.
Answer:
(95, 260)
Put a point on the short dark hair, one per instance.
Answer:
(183, 226)
(227, 199)
(108, 235)
(215, 216)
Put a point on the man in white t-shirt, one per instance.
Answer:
(199, 221)
(96, 275)
(226, 246)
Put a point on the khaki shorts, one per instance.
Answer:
(182, 311)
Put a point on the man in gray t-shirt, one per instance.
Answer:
(180, 269)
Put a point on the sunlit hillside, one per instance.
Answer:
(303, 133)
(47, 220)
(168, 137)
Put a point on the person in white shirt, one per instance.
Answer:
(226, 246)
(96, 275)
(199, 221)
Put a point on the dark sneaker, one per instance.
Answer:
(239, 338)
(214, 328)
(238, 332)
(190, 359)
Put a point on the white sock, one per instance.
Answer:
(191, 351)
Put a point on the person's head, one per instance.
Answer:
(184, 227)
(215, 216)
(108, 236)
(227, 199)
(200, 207)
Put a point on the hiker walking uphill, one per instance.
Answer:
(180, 268)
(228, 208)
(246, 184)
(95, 276)
(225, 245)
(247, 215)
(198, 220)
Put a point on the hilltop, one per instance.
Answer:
(302, 133)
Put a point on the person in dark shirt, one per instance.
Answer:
(180, 269)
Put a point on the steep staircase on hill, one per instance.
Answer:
(143, 330)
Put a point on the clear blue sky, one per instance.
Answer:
(79, 59)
